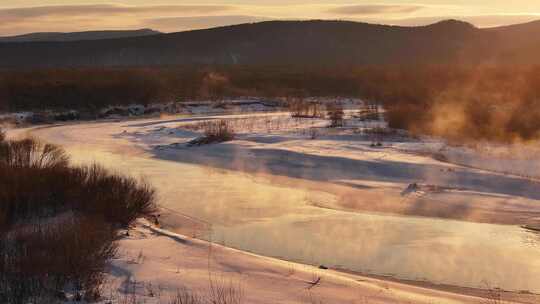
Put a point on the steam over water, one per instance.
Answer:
(254, 214)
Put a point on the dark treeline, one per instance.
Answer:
(452, 101)
(87, 89)
(91, 88)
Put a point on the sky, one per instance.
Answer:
(25, 16)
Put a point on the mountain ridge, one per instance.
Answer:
(78, 36)
(314, 42)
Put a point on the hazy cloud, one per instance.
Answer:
(66, 18)
(374, 9)
(21, 14)
(199, 22)
(481, 21)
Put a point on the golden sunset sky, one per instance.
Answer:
(24, 16)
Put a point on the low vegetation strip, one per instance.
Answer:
(59, 223)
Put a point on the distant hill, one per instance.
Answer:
(77, 36)
(292, 42)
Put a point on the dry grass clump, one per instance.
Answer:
(222, 291)
(215, 132)
(184, 296)
(218, 291)
(58, 223)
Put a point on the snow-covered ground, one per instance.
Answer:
(294, 189)
(154, 264)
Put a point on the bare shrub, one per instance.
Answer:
(58, 223)
(39, 260)
(335, 114)
(29, 193)
(215, 132)
(119, 199)
(31, 153)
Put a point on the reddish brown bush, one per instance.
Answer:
(40, 259)
(117, 198)
(58, 223)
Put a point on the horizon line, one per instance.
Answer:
(272, 20)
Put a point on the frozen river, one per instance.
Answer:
(282, 217)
